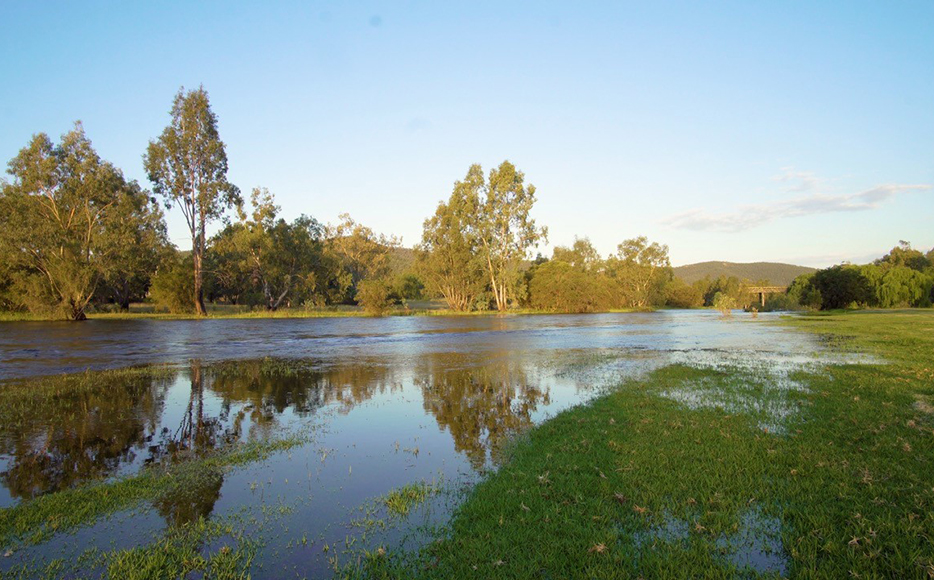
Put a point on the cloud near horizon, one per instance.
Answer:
(750, 216)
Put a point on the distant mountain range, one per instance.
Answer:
(776, 273)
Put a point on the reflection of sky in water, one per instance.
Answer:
(388, 401)
(755, 546)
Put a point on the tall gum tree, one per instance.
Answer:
(448, 256)
(506, 230)
(187, 165)
(642, 269)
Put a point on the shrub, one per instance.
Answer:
(375, 296)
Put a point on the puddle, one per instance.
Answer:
(755, 546)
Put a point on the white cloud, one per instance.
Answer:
(799, 181)
(750, 216)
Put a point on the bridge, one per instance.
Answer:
(763, 290)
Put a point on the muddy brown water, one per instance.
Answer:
(383, 402)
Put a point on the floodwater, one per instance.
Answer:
(380, 403)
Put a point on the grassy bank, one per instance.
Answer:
(828, 476)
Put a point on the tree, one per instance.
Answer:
(581, 255)
(904, 255)
(680, 294)
(359, 253)
(841, 286)
(62, 222)
(642, 270)
(449, 255)
(505, 229)
(187, 165)
(137, 243)
(172, 286)
(559, 286)
(278, 257)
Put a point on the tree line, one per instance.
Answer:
(902, 278)
(76, 234)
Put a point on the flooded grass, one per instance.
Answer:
(178, 489)
(645, 483)
(401, 500)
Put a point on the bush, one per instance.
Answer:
(173, 285)
(375, 296)
(779, 302)
(682, 295)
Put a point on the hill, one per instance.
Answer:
(776, 273)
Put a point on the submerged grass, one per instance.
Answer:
(640, 484)
(35, 521)
(401, 500)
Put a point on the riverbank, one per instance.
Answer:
(674, 475)
(236, 313)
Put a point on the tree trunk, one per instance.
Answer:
(77, 311)
(197, 254)
(123, 297)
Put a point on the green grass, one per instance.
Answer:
(640, 484)
(180, 553)
(401, 500)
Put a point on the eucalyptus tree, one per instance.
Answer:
(642, 270)
(63, 220)
(581, 255)
(136, 243)
(506, 230)
(449, 257)
(282, 259)
(187, 165)
(357, 253)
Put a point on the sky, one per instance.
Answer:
(798, 132)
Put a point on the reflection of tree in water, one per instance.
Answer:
(88, 430)
(268, 387)
(191, 495)
(81, 432)
(480, 405)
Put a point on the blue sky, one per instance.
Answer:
(780, 131)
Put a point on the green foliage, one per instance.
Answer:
(679, 294)
(355, 252)
(561, 287)
(902, 278)
(172, 285)
(65, 221)
(187, 165)
(267, 257)
(409, 287)
(781, 302)
(578, 280)
(476, 242)
(449, 256)
(138, 244)
(842, 287)
(375, 296)
(904, 255)
(724, 302)
(504, 226)
(642, 271)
